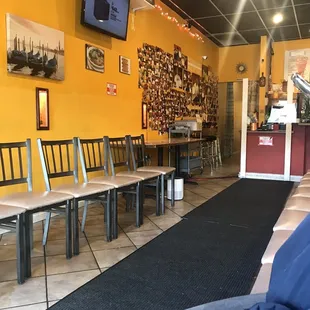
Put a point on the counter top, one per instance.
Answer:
(262, 132)
(171, 142)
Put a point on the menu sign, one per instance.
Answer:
(297, 61)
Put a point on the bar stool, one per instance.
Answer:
(211, 152)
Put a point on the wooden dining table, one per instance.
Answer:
(173, 142)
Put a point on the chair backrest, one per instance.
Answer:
(93, 156)
(58, 159)
(14, 157)
(137, 150)
(119, 153)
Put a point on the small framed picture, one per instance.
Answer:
(144, 115)
(124, 65)
(94, 58)
(42, 109)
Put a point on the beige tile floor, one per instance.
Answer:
(54, 277)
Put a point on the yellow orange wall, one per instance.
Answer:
(250, 55)
(229, 57)
(79, 106)
(279, 49)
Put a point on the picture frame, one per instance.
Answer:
(124, 65)
(42, 109)
(94, 58)
(34, 50)
(144, 116)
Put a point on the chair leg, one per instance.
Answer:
(162, 183)
(84, 215)
(105, 212)
(68, 231)
(46, 227)
(141, 203)
(114, 215)
(172, 189)
(157, 197)
(108, 217)
(20, 247)
(127, 202)
(27, 245)
(31, 230)
(138, 204)
(76, 245)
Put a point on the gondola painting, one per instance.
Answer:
(34, 49)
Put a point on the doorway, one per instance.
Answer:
(229, 126)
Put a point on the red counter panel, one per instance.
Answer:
(298, 150)
(265, 159)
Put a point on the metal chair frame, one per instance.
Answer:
(24, 223)
(51, 172)
(123, 157)
(98, 161)
(137, 151)
(16, 224)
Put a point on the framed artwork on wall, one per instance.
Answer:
(42, 109)
(144, 115)
(124, 65)
(34, 49)
(94, 58)
(297, 61)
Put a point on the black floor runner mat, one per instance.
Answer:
(249, 203)
(194, 262)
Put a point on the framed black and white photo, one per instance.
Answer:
(124, 65)
(34, 50)
(94, 58)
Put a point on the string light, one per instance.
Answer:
(182, 27)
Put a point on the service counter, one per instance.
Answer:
(278, 155)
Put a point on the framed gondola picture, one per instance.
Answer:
(42, 109)
(34, 50)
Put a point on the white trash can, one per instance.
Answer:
(178, 189)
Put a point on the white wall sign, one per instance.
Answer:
(265, 141)
(111, 89)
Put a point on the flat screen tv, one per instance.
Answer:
(107, 16)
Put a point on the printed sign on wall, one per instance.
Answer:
(266, 141)
(111, 89)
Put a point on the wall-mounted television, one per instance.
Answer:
(107, 16)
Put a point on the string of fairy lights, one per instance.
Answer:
(182, 27)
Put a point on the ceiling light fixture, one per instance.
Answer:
(277, 18)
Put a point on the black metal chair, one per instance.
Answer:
(137, 147)
(13, 157)
(120, 157)
(60, 159)
(94, 158)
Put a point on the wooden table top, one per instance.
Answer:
(171, 142)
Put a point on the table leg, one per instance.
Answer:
(177, 161)
(160, 155)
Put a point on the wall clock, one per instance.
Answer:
(241, 68)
